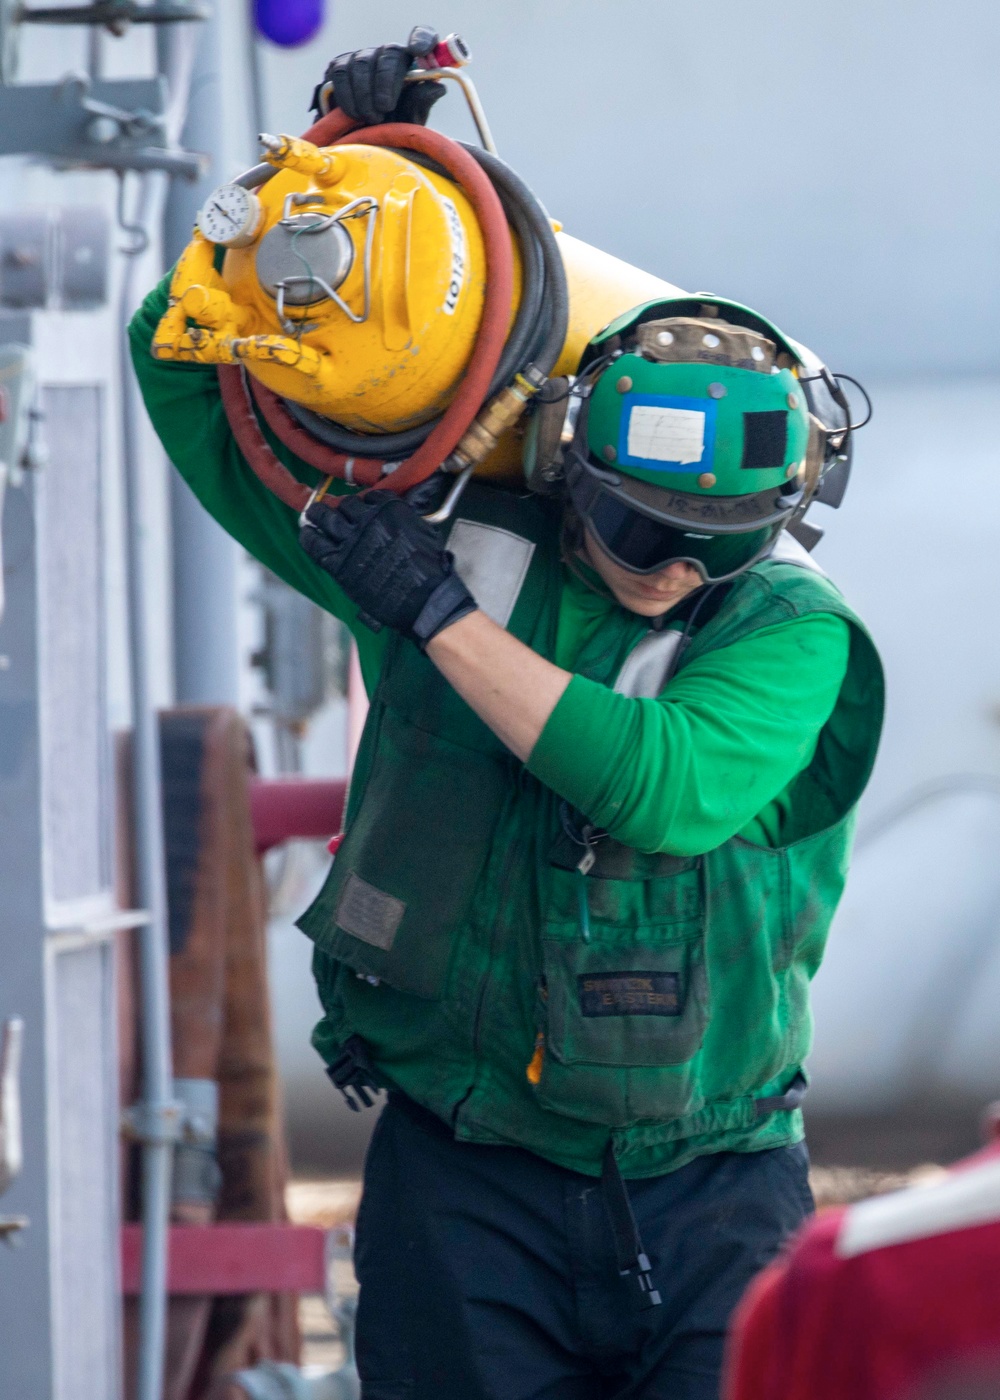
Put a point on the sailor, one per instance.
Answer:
(598, 826)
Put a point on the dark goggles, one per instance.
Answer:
(643, 545)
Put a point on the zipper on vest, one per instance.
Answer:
(587, 836)
(581, 896)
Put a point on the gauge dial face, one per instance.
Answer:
(230, 216)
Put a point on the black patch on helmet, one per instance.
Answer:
(765, 439)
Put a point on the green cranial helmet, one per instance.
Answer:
(694, 439)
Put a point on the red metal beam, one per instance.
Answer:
(231, 1258)
(282, 808)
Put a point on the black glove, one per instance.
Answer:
(389, 562)
(368, 84)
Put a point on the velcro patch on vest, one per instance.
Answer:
(369, 913)
(493, 564)
(630, 993)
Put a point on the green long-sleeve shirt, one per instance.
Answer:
(715, 755)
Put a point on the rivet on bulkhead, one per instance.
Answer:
(717, 391)
(624, 384)
(706, 480)
(793, 400)
(608, 453)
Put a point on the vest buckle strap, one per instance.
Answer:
(354, 1075)
(780, 1103)
(644, 1278)
(631, 1256)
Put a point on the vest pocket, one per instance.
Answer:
(405, 875)
(626, 1007)
(624, 1013)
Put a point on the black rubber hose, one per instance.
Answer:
(532, 294)
(556, 288)
(537, 335)
(388, 445)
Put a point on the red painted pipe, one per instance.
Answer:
(233, 1258)
(284, 808)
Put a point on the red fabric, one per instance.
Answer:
(871, 1327)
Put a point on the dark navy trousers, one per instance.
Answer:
(488, 1273)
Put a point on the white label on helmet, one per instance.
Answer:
(456, 276)
(666, 434)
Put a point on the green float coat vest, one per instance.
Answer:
(449, 935)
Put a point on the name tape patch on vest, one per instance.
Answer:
(369, 913)
(630, 993)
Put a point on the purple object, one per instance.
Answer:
(288, 22)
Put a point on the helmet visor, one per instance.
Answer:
(643, 545)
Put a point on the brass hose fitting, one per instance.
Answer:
(501, 413)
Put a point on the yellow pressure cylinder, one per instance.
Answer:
(353, 284)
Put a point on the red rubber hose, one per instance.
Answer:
(365, 472)
(446, 435)
(252, 442)
(330, 128)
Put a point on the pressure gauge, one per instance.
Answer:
(231, 216)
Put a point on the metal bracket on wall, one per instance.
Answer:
(11, 1227)
(106, 124)
(88, 121)
(53, 257)
(11, 1147)
(115, 15)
